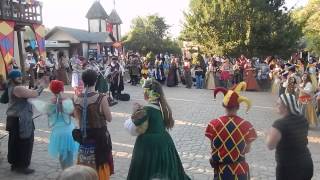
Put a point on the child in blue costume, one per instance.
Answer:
(62, 145)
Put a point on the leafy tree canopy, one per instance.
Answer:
(150, 34)
(234, 27)
(308, 18)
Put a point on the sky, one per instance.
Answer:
(71, 13)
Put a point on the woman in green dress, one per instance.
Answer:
(154, 155)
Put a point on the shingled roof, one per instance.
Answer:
(96, 11)
(114, 18)
(82, 35)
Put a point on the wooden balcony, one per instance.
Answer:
(23, 12)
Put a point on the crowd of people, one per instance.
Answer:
(79, 125)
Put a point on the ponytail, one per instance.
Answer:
(166, 111)
(84, 113)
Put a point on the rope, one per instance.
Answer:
(84, 114)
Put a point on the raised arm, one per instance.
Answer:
(23, 92)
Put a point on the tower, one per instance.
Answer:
(97, 17)
(114, 24)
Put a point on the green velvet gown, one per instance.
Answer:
(154, 154)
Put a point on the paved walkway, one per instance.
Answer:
(192, 110)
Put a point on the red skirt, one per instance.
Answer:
(225, 75)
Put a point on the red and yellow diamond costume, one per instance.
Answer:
(230, 138)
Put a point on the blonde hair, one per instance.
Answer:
(79, 172)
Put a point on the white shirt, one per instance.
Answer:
(308, 88)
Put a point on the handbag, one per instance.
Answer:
(77, 135)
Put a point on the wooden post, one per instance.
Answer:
(11, 8)
(117, 29)
(89, 26)
(20, 51)
(41, 14)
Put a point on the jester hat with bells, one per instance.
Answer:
(232, 98)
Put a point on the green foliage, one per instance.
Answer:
(150, 34)
(308, 18)
(197, 59)
(252, 27)
(150, 56)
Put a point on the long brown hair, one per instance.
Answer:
(167, 112)
(307, 80)
(165, 108)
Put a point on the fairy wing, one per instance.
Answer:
(67, 105)
(41, 106)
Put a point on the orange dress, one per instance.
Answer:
(249, 76)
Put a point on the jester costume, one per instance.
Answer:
(230, 138)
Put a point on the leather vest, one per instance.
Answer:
(95, 118)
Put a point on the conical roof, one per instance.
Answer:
(114, 17)
(96, 11)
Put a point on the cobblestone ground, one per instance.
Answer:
(192, 109)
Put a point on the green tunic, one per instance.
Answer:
(154, 154)
(101, 85)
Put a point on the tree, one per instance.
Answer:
(252, 27)
(308, 18)
(150, 34)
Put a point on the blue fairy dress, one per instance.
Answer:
(62, 144)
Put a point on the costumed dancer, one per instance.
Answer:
(62, 145)
(263, 75)
(160, 75)
(187, 73)
(154, 154)
(242, 62)
(92, 112)
(116, 78)
(306, 100)
(62, 68)
(172, 79)
(300, 67)
(145, 70)
(250, 77)
(225, 74)
(228, 157)
(275, 76)
(293, 81)
(135, 69)
(101, 84)
(77, 83)
(312, 70)
(210, 83)
(236, 75)
(30, 64)
(20, 123)
(41, 70)
(50, 66)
